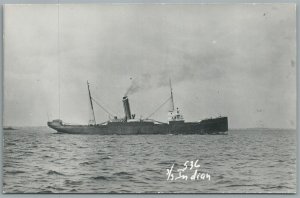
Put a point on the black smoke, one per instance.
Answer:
(162, 79)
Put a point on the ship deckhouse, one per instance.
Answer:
(174, 115)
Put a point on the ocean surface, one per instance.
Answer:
(38, 160)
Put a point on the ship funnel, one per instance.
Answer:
(126, 108)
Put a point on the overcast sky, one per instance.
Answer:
(233, 60)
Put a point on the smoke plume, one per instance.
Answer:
(139, 83)
(148, 81)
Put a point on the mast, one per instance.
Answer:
(174, 115)
(172, 100)
(92, 121)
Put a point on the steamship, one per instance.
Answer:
(129, 125)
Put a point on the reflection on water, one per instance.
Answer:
(39, 160)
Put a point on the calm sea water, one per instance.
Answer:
(39, 160)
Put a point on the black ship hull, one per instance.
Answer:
(213, 126)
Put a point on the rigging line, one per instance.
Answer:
(108, 109)
(58, 67)
(102, 107)
(58, 58)
(158, 108)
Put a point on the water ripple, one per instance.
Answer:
(36, 160)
